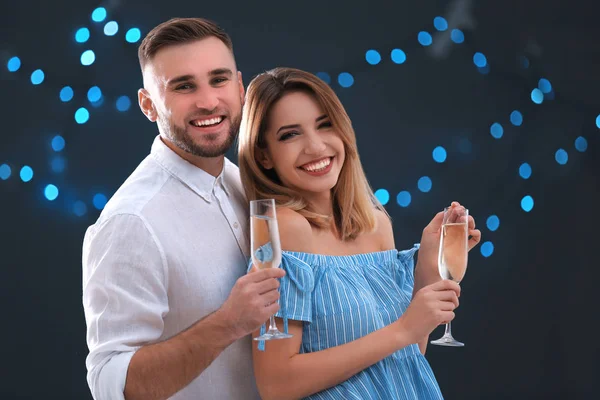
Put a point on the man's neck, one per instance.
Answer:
(211, 165)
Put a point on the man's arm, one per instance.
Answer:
(124, 293)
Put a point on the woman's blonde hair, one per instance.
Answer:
(354, 203)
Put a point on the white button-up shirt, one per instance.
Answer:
(165, 252)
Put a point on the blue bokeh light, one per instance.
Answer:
(99, 201)
(82, 115)
(79, 208)
(345, 79)
(383, 196)
(51, 192)
(37, 77)
(66, 94)
(324, 76)
(99, 14)
(98, 103)
(94, 94)
(373, 57)
(581, 144)
(516, 118)
(133, 35)
(598, 121)
(88, 57)
(527, 203)
(479, 60)
(487, 249)
(493, 222)
(424, 184)
(58, 143)
(82, 35)
(5, 171)
(465, 146)
(111, 28)
(123, 103)
(537, 96)
(26, 173)
(561, 156)
(496, 130)
(425, 38)
(13, 64)
(403, 199)
(525, 171)
(439, 154)
(544, 85)
(484, 70)
(457, 36)
(440, 23)
(398, 56)
(58, 164)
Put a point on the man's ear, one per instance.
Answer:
(242, 91)
(146, 105)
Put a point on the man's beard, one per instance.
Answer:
(184, 141)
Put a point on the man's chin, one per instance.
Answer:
(209, 148)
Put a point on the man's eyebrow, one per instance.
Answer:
(179, 79)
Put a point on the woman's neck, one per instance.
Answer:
(321, 204)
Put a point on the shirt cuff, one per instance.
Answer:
(109, 382)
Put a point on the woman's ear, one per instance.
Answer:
(262, 156)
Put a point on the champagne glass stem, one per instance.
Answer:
(448, 331)
(272, 326)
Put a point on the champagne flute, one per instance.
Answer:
(266, 249)
(453, 256)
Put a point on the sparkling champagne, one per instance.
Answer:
(265, 245)
(453, 251)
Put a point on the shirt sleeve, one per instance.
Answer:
(295, 288)
(405, 270)
(124, 299)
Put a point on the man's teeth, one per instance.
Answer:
(316, 167)
(206, 122)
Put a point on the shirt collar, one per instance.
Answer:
(200, 181)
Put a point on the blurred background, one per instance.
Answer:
(491, 103)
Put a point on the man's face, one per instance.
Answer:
(195, 94)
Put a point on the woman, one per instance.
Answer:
(359, 312)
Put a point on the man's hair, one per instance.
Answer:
(178, 31)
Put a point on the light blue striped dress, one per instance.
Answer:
(342, 298)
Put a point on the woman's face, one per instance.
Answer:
(303, 148)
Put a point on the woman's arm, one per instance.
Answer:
(282, 373)
(386, 236)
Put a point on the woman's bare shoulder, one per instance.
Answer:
(295, 231)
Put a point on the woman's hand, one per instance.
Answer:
(431, 306)
(430, 243)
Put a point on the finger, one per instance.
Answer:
(474, 238)
(266, 286)
(471, 222)
(448, 296)
(253, 269)
(266, 273)
(448, 305)
(436, 222)
(272, 309)
(270, 297)
(446, 284)
(447, 316)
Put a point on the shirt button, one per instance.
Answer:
(236, 225)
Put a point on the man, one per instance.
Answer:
(167, 305)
